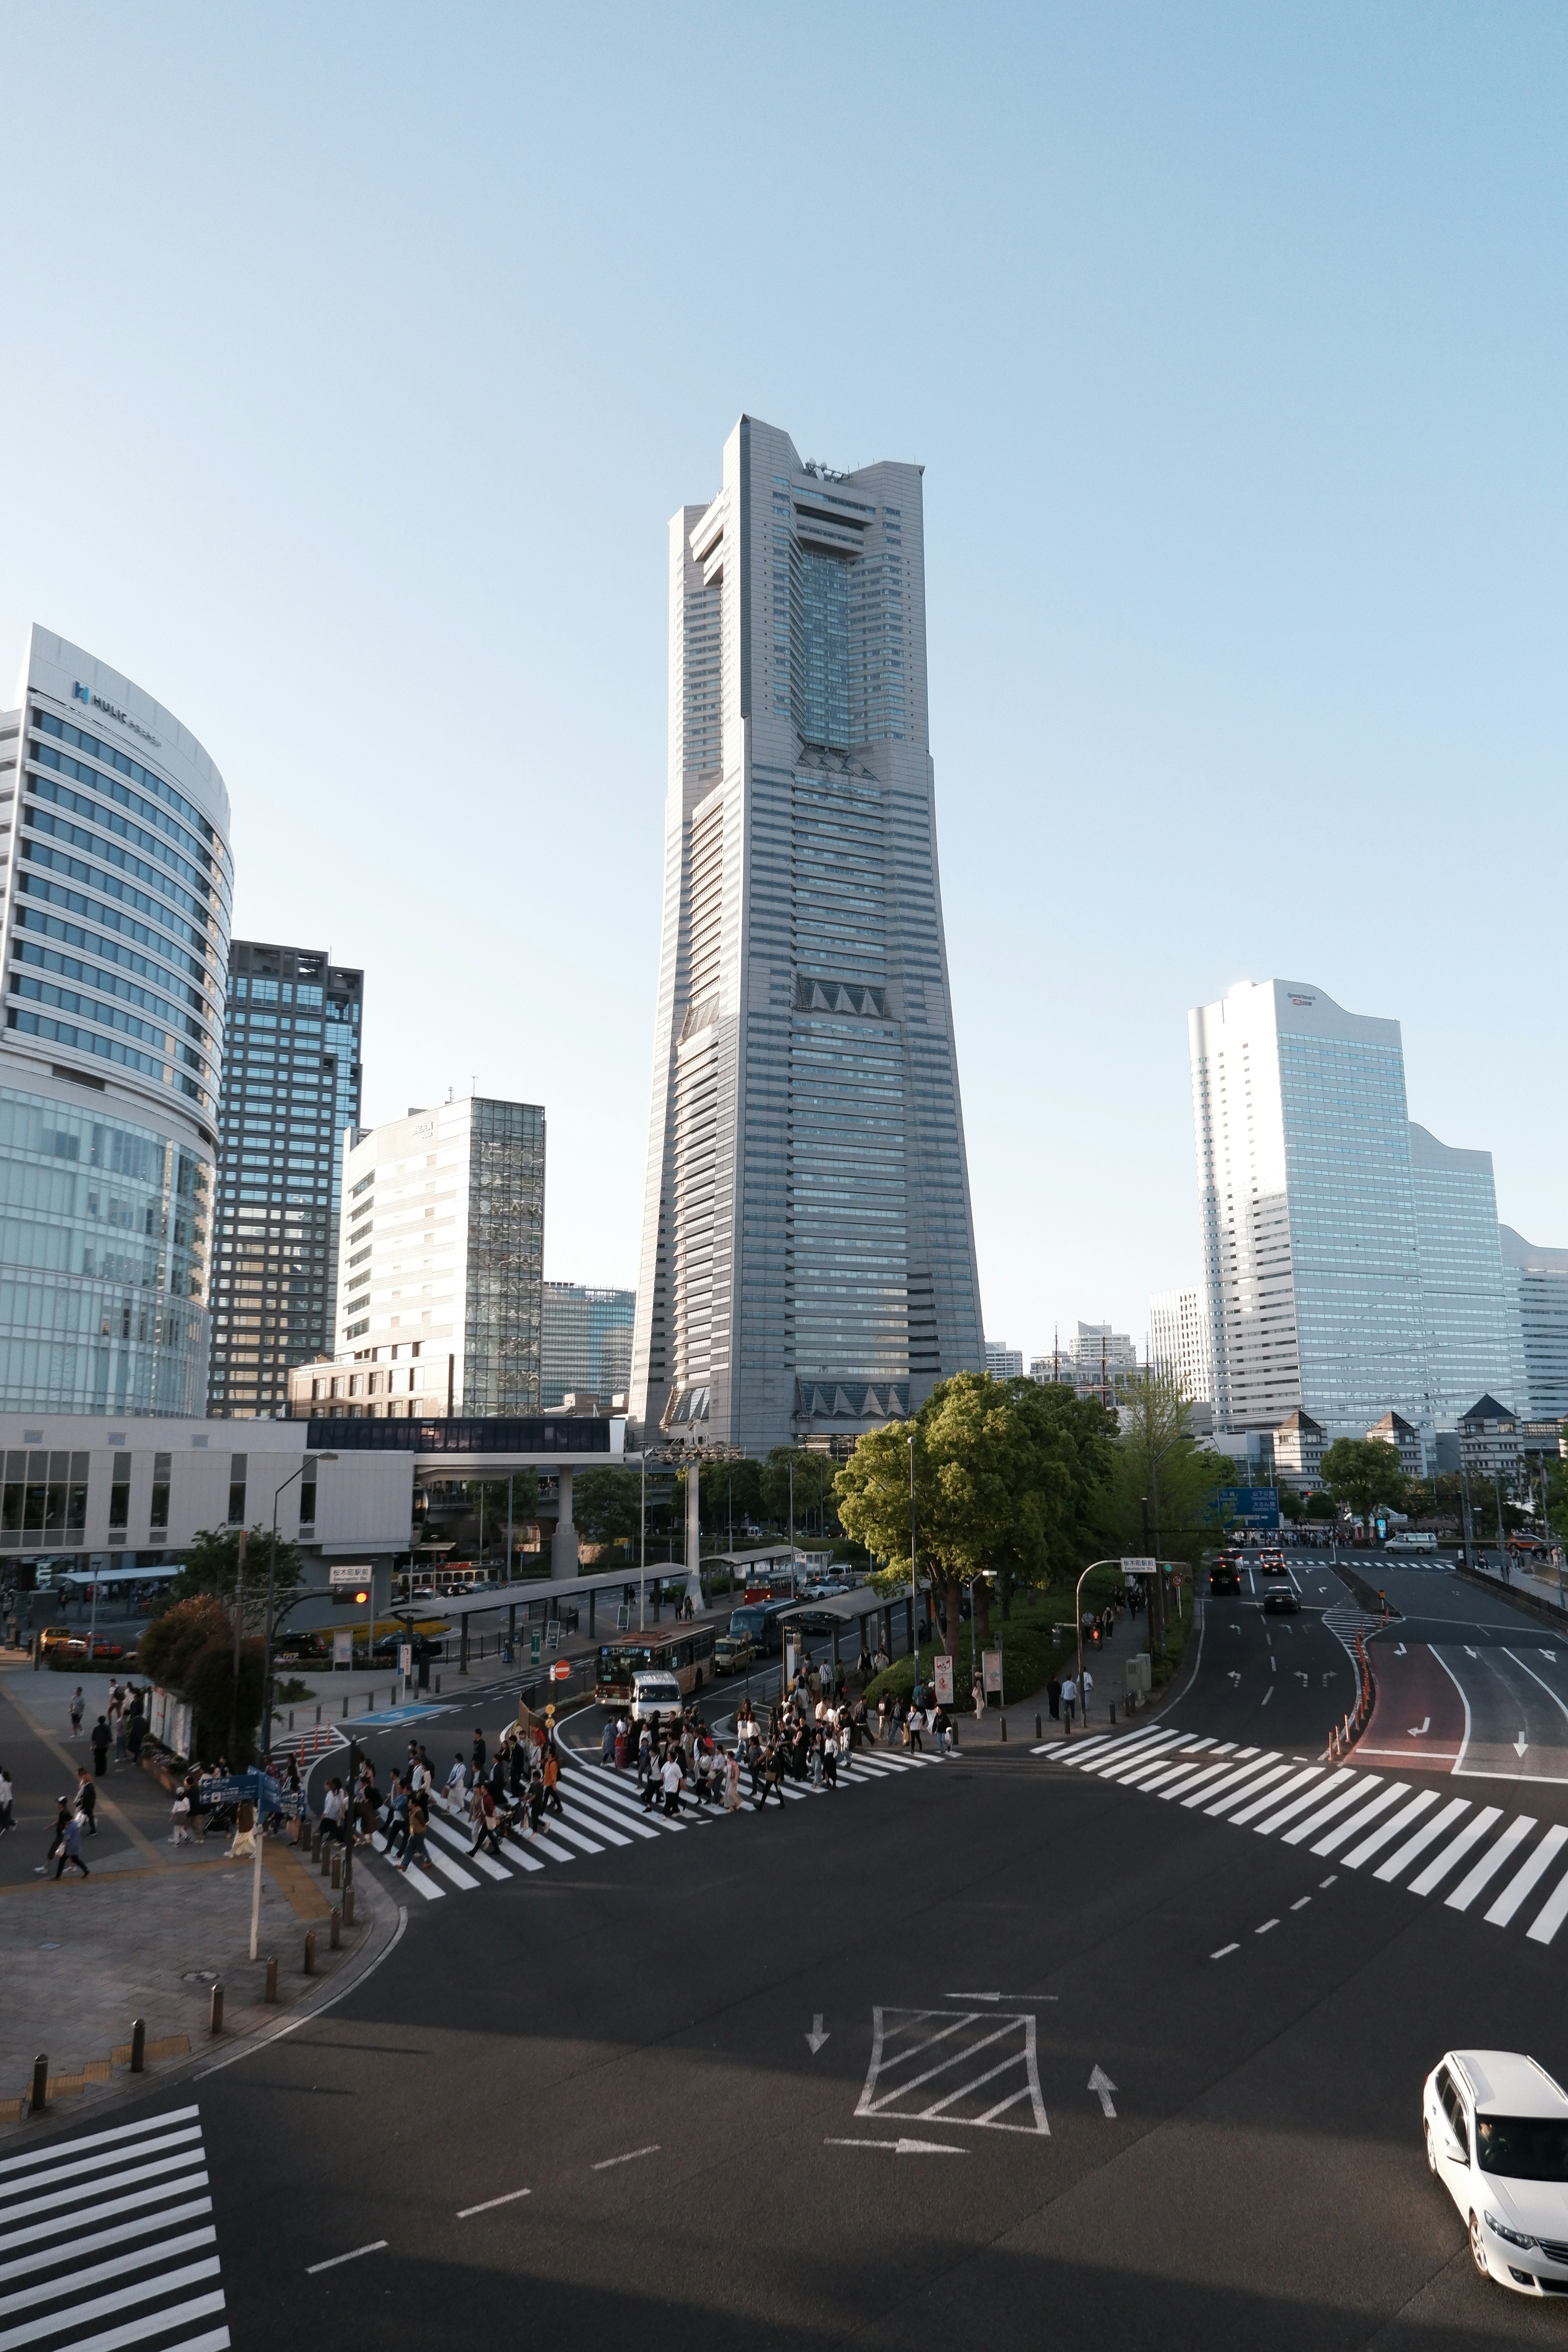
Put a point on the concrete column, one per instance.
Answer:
(693, 1532)
(563, 1543)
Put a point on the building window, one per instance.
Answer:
(308, 1497)
(236, 1469)
(160, 1519)
(119, 1493)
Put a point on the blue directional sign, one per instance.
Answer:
(1255, 1506)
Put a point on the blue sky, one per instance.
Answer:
(357, 358)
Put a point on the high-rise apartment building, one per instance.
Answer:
(116, 892)
(1179, 1342)
(586, 1342)
(1311, 1259)
(1470, 1321)
(808, 1256)
(1002, 1362)
(1537, 1283)
(291, 1089)
(441, 1252)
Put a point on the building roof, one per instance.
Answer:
(1393, 1424)
(1486, 1408)
(1302, 1422)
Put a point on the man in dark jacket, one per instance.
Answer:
(102, 1737)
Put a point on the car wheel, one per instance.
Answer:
(1431, 2159)
(1478, 2247)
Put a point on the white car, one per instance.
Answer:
(1497, 2138)
(654, 1695)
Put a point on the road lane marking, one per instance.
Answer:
(1546, 1923)
(1302, 1830)
(902, 2146)
(913, 2028)
(1543, 1685)
(467, 2212)
(376, 2246)
(1427, 1834)
(1224, 1952)
(1369, 1813)
(1387, 1831)
(1265, 1926)
(1492, 1862)
(1302, 1904)
(1327, 1882)
(1519, 1885)
(1456, 1849)
(1268, 1695)
(630, 2157)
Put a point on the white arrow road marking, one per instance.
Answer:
(816, 2036)
(1468, 1652)
(1519, 1744)
(1416, 1730)
(1329, 1676)
(1550, 1657)
(902, 2146)
(1399, 1653)
(1269, 1694)
(1100, 2083)
(1235, 1674)
(999, 1996)
(1303, 1676)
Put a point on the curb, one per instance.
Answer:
(1530, 1601)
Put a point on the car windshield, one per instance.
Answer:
(1522, 2148)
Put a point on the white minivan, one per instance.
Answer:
(1495, 2127)
(653, 1696)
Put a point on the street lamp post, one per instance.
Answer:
(914, 1587)
(271, 1593)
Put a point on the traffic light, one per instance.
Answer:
(350, 1596)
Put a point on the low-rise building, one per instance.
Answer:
(1491, 1441)
(1299, 1444)
(1406, 1439)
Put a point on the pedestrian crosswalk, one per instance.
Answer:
(107, 2239)
(603, 1815)
(1361, 1819)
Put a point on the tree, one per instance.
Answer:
(813, 1488)
(189, 1647)
(607, 1505)
(1160, 1463)
(1321, 1507)
(1364, 1471)
(212, 1567)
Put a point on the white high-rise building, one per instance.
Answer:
(808, 1259)
(1537, 1285)
(1470, 1321)
(116, 897)
(1179, 1342)
(1311, 1260)
(1002, 1362)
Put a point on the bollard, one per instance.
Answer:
(271, 1993)
(347, 1906)
(1004, 1727)
(291, 1718)
(318, 1716)
(437, 1686)
(337, 1871)
(1113, 1715)
(1038, 1732)
(316, 1842)
(310, 1953)
(326, 1857)
(40, 2083)
(345, 1706)
(335, 1935)
(215, 2022)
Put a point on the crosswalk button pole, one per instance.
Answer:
(272, 1979)
(139, 2046)
(40, 2083)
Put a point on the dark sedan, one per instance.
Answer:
(1280, 1600)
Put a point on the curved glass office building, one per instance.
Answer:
(116, 887)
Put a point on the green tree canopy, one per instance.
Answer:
(815, 1497)
(1364, 1471)
(212, 1567)
(607, 1505)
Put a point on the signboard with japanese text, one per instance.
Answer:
(944, 1669)
(991, 1668)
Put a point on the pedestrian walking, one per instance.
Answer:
(100, 1738)
(553, 1784)
(1070, 1701)
(671, 1778)
(419, 1824)
(7, 1802)
(87, 1799)
(731, 1783)
(70, 1845)
(180, 1814)
(78, 1708)
(457, 1784)
(1085, 1691)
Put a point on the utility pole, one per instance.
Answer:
(238, 1631)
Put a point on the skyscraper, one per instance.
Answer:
(586, 1342)
(291, 1086)
(808, 1256)
(115, 907)
(1471, 1320)
(1179, 1342)
(1311, 1261)
(1537, 1283)
(440, 1258)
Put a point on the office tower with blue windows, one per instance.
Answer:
(586, 1342)
(116, 891)
(808, 1265)
(291, 1086)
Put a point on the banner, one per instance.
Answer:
(944, 1666)
(991, 1668)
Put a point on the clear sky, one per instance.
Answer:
(356, 359)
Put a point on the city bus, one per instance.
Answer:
(690, 1658)
(760, 1622)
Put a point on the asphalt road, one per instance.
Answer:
(1275, 1681)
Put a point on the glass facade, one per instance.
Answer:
(1536, 1280)
(117, 885)
(586, 1342)
(291, 1085)
(808, 1259)
(506, 1247)
(1469, 1318)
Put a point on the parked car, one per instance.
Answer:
(55, 1637)
(386, 1649)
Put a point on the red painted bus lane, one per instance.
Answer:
(1418, 1716)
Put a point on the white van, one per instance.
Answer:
(653, 1696)
(1412, 1540)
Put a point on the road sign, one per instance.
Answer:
(991, 1667)
(1140, 1566)
(944, 1666)
(1257, 1506)
(404, 1659)
(561, 1672)
(533, 1649)
(338, 1574)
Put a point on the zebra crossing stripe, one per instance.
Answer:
(1239, 1791)
(576, 1837)
(1456, 1849)
(1427, 1834)
(597, 1804)
(454, 1838)
(1119, 1761)
(1277, 1820)
(1546, 1923)
(1490, 1862)
(1189, 1776)
(1151, 1769)
(1387, 1831)
(1250, 1812)
(450, 1870)
(1523, 1879)
(1338, 1804)
(1369, 1813)
(51, 2292)
(1242, 1768)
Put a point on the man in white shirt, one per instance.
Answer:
(1087, 1687)
(1070, 1701)
(671, 1778)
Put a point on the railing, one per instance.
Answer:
(1345, 1734)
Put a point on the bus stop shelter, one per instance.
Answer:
(834, 1612)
